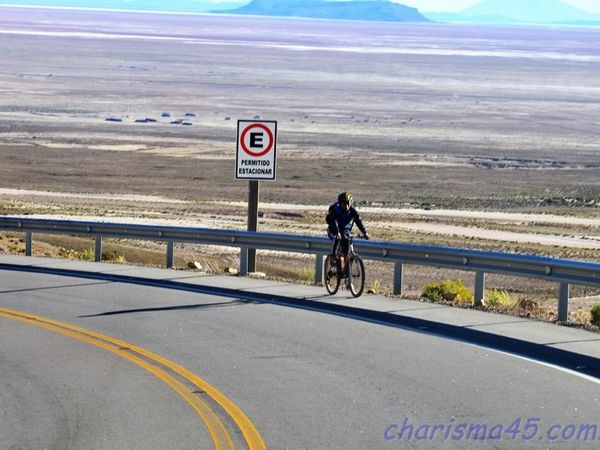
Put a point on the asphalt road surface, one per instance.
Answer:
(304, 379)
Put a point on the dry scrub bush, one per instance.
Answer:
(449, 290)
(375, 287)
(495, 298)
(595, 313)
(529, 308)
(582, 316)
(307, 274)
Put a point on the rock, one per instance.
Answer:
(195, 265)
(257, 275)
(289, 214)
(231, 270)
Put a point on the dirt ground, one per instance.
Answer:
(445, 134)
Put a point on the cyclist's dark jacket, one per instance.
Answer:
(342, 222)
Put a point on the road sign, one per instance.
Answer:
(256, 150)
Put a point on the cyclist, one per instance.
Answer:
(341, 218)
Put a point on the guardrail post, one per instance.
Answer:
(98, 249)
(28, 243)
(563, 302)
(243, 261)
(398, 278)
(319, 269)
(170, 254)
(479, 288)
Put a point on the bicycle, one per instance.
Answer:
(355, 270)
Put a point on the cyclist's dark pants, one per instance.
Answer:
(344, 243)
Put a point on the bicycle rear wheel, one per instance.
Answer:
(332, 274)
(356, 275)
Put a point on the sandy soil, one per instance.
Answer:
(391, 214)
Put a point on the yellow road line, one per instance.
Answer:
(219, 434)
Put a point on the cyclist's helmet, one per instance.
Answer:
(346, 198)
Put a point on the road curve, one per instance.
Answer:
(305, 379)
(191, 388)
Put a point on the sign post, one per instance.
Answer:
(253, 192)
(256, 160)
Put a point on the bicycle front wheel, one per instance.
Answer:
(356, 276)
(332, 274)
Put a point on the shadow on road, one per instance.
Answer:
(545, 353)
(171, 308)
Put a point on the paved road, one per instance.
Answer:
(306, 379)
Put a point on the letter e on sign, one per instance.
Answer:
(256, 150)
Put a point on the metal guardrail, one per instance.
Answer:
(565, 272)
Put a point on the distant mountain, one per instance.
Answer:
(381, 10)
(518, 11)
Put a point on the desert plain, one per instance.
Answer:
(458, 135)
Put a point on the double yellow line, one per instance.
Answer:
(152, 363)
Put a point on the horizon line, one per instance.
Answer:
(225, 12)
(86, 8)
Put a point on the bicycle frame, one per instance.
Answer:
(336, 249)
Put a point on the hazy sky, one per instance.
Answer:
(457, 5)
(422, 5)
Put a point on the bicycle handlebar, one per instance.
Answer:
(355, 236)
